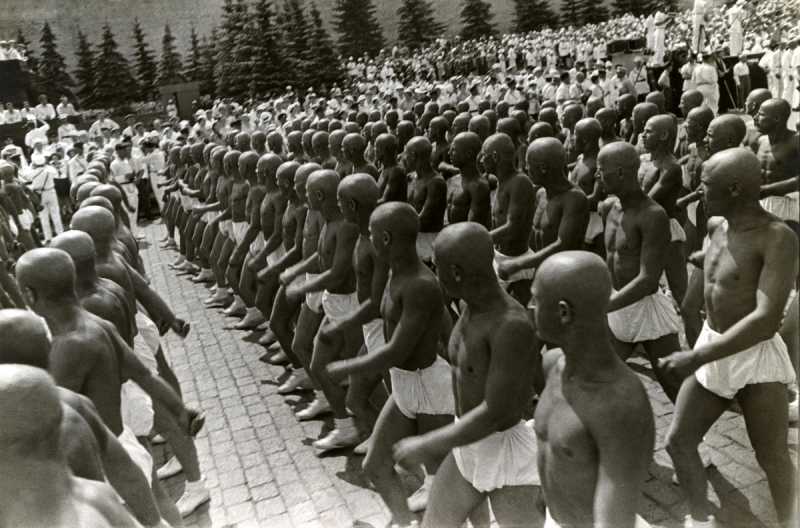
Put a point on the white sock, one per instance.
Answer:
(252, 311)
(344, 424)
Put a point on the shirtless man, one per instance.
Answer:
(661, 178)
(754, 100)
(358, 196)
(437, 134)
(750, 266)
(690, 99)
(298, 346)
(239, 191)
(220, 161)
(642, 112)
(489, 451)
(562, 210)
(415, 325)
(470, 200)
(336, 281)
(321, 149)
(392, 183)
(278, 206)
(43, 491)
(625, 105)
(608, 120)
(260, 174)
(22, 212)
(335, 139)
(779, 155)
(512, 213)
(696, 124)
(91, 450)
(583, 175)
(353, 147)
(592, 467)
(428, 194)
(637, 240)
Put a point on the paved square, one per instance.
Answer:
(261, 469)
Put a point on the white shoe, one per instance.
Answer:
(363, 447)
(158, 440)
(238, 307)
(193, 496)
(298, 380)
(316, 408)
(793, 411)
(170, 469)
(418, 500)
(337, 439)
(689, 522)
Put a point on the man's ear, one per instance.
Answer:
(456, 272)
(565, 312)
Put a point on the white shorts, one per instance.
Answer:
(373, 335)
(339, 305)
(425, 246)
(239, 230)
(423, 391)
(549, 522)
(186, 202)
(766, 362)
(314, 299)
(691, 212)
(647, 319)
(524, 274)
(257, 245)
(504, 458)
(276, 255)
(208, 216)
(676, 232)
(225, 228)
(594, 228)
(784, 207)
(137, 452)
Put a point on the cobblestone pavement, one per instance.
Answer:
(262, 470)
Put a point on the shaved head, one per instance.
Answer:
(97, 222)
(247, 164)
(730, 179)
(541, 129)
(24, 338)
(394, 222)
(77, 244)
(690, 99)
(267, 166)
(113, 194)
(85, 190)
(464, 256)
(49, 272)
(465, 149)
(99, 201)
(324, 183)
(480, 125)
(353, 146)
(587, 134)
(510, 126)
(30, 410)
(546, 160)
(755, 98)
(658, 99)
(386, 146)
(641, 113)
(497, 150)
(362, 189)
(725, 131)
(618, 166)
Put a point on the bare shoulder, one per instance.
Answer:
(623, 403)
(520, 183)
(101, 497)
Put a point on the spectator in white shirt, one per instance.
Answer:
(513, 95)
(638, 77)
(37, 133)
(43, 182)
(65, 108)
(12, 114)
(44, 111)
(125, 172)
(741, 76)
(102, 122)
(564, 90)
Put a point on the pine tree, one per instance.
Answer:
(170, 68)
(533, 15)
(477, 17)
(54, 80)
(634, 7)
(591, 11)
(242, 55)
(208, 85)
(268, 73)
(113, 78)
(145, 64)
(296, 33)
(84, 72)
(194, 65)
(417, 27)
(569, 12)
(228, 74)
(33, 62)
(358, 27)
(324, 68)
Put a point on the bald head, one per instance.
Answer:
(541, 129)
(587, 135)
(437, 128)
(30, 410)
(593, 105)
(548, 115)
(361, 189)
(732, 177)
(570, 291)
(50, 273)
(319, 143)
(285, 174)
(231, 162)
(7, 171)
(258, 140)
(394, 222)
(77, 244)
(85, 190)
(498, 150)
(773, 115)
(618, 165)
(109, 192)
(465, 149)
(325, 182)
(625, 104)
(510, 126)
(386, 147)
(100, 201)
(641, 113)
(724, 132)
(546, 160)
(267, 167)
(755, 98)
(97, 222)
(658, 99)
(247, 164)
(24, 339)
(697, 122)
(690, 99)
(572, 114)
(464, 256)
(353, 146)
(660, 132)
(460, 123)
(418, 149)
(243, 141)
(607, 118)
(480, 125)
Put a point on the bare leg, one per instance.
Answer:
(391, 427)
(696, 410)
(327, 350)
(280, 322)
(358, 397)
(303, 344)
(692, 305)
(675, 268)
(181, 443)
(765, 410)
(222, 263)
(661, 348)
(517, 506)
(452, 498)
